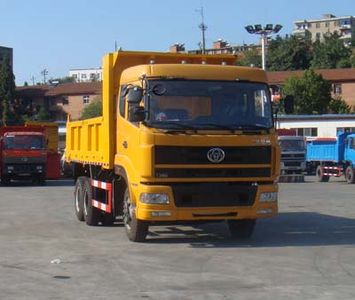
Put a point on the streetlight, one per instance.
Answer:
(264, 32)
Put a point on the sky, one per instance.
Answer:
(69, 34)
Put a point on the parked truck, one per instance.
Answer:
(293, 152)
(23, 154)
(332, 157)
(182, 138)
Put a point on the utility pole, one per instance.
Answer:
(44, 73)
(203, 28)
(33, 80)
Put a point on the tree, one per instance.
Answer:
(7, 90)
(93, 109)
(311, 93)
(250, 58)
(339, 106)
(289, 53)
(331, 53)
(42, 115)
(67, 79)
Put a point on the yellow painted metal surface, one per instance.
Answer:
(51, 132)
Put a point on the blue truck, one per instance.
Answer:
(332, 157)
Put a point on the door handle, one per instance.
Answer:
(125, 144)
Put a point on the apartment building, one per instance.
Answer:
(317, 28)
(86, 75)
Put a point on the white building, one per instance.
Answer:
(313, 126)
(86, 75)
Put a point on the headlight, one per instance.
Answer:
(268, 197)
(149, 198)
(39, 167)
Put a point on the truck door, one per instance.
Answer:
(128, 146)
(350, 150)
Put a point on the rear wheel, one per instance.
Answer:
(79, 198)
(91, 213)
(349, 175)
(136, 230)
(320, 175)
(5, 180)
(241, 229)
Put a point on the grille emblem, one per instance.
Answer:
(215, 155)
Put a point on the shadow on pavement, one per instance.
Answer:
(288, 229)
(49, 183)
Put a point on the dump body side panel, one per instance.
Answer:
(87, 141)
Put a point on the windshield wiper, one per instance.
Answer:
(172, 126)
(234, 127)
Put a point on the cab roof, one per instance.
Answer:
(193, 72)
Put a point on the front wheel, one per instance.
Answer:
(241, 229)
(320, 175)
(136, 230)
(349, 175)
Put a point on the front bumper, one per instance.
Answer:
(171, 212)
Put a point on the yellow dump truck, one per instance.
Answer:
(182, 138)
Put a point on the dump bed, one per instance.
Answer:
(327, 149)
(86, 141)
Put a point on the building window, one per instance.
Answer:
(86, 99)
(318, 36)
(345, 129)
(337, 89)
(75, 76)
(326, 24)
(309, 25)
(83, 76)
(307, 132)
(317, 25)
(92, 75)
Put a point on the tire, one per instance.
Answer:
(79, 198)
(320, 175)
(5, 180)
(241, 229)
(349, 175)
(91, 214)
(136, 230)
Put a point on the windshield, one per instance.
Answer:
(292, 145)
(208, 104)
(23, 142)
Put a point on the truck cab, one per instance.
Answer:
(293, 154)
(23, 156)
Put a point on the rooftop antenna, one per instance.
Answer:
(115, 46)
(203, 28)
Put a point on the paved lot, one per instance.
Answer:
(307, 252)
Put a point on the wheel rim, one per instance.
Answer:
(128, 211)
(348, 175)
(77, 200)
(86, 202)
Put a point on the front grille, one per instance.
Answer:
(214, 194)
(198, 155)
(292, 163)
(24, 168)
(215, 172)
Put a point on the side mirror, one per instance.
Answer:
(136, 114)
(134, 94)
(289, 104)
